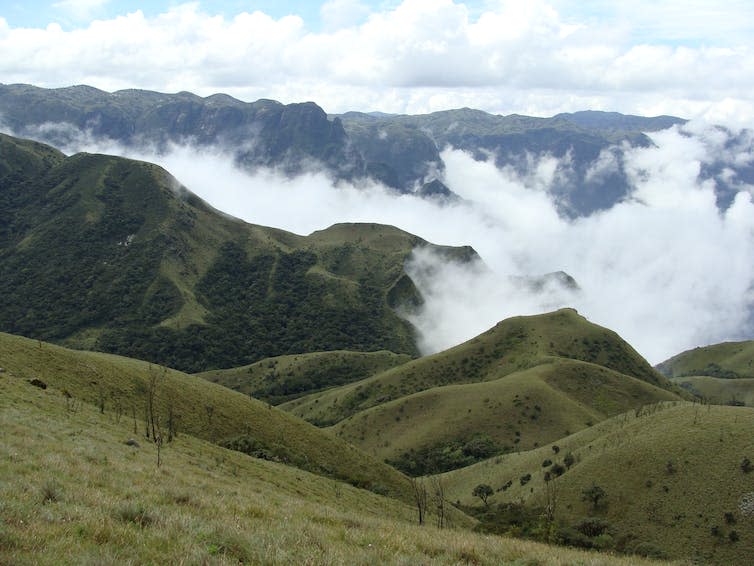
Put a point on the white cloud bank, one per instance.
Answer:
(532, 57)
(665, 269)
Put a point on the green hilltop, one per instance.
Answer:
(523, 383)
(100, 252)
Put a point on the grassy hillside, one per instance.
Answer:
(512, 345)
(284, 378)
(455, 425)
(718, 390)
(72, 492)
(677, 480)
(729, 360)
(99, 252)
(124, 388)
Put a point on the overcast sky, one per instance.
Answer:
(693, 59)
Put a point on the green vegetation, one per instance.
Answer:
(285, 378)
(654, 481)
(75, 489)
(720, 391)
(157, 399)
(99, 252)
(524, 383)
(729, 360)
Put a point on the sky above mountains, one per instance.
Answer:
(693, 59)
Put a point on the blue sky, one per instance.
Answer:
(693, 58)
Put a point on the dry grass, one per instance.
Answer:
(204, 505)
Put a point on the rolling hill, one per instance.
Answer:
(73, 492)
(525, 382)
(100, 252)
(674, 479)
(285, 378)
(154, 400)
(729, 360)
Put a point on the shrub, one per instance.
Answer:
(592, 526)
(546, 463)
(134, 513)
(525, 479)
(50, 492)
(595, 495)
(746, 466)
(733, 536)
(569, 460)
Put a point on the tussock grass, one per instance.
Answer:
(204, 505)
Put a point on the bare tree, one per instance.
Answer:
(420, 497)
(438, 496)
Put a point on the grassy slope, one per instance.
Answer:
(719, 390)
(520, 410)
(120, 385)
(728, 360)
(99, 252)
(628, 457)
(70, 489)
(513, 345)
(284, 378)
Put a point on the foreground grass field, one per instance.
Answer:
(73, 492)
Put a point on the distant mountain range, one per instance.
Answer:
(401, 151)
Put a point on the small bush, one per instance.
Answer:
(746, 466)
(733, 536)
(592, 526)
(547, 463)
(51, 492)
(525, 479)
(569, 460)
(134, 513)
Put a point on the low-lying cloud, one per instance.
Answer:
(665, 268)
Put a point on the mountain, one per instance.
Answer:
(671, 480)
(525, 382)
(401, 151)
(262, 133)
(512, 141)
(74, 492)
(100, 252)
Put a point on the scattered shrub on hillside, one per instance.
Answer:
(555, 448)
(670, 468)
(594, 495)
(569, 460)
(525, 479)
(50, 492)
(733, 536)
(447, 455)
(547, 463)
(483, 491)
(592, 526)
(505, 486)
(746, 466)
(730, 518)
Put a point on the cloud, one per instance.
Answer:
(666, 268)
(337, 14)
(528, 57)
